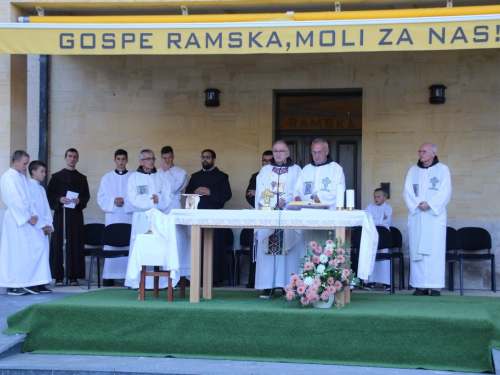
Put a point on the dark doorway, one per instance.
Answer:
(334, 116)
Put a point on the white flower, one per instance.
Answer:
(308, 280)
(321, 267)
(323, 258)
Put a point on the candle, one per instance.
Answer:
(350, 198)
(340, 196)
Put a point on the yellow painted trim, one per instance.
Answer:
(313, 16)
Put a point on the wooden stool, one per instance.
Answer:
(156, 273)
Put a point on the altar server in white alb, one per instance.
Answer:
(23, 257)
(427, 192)
(174, 176)
(319, 179)
(111, 199)
(381, 213)
(146, 189)
(278, 251)
(44, 225)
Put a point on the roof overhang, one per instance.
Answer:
(276, 34)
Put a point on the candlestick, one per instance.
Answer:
(340, 197)
(350, 199)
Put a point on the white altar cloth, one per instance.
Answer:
(303, 219)
(155, 250)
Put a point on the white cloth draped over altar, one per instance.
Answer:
(303, 219)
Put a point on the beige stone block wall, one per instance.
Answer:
(102, 103)
(99, 104)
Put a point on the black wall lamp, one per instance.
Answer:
(212, 97)
(437, 94)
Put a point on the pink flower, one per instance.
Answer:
(333, 262)
(338, 285)
(299, 282)
(330, 280)
(328, 252)
(317, 282)
(312, 297)
(308, 266)
(290, 295)
(289, 288)
(315, 259)
(301, 289)
(304, 301)
(341, 258)
(313, 244)
(331, 289)
(325, 295)
(294, 278)
(345, 280)
(318, 250)
(313, 288)
(346, 272)
(341, 251)
(329, 243)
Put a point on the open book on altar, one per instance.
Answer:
(297, 206)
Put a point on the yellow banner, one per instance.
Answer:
(154, 39)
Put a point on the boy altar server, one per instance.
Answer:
(382, 215)
(44, 226)
(111, 199)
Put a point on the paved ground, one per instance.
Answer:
(14, 362)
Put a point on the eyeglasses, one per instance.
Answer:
(149, 159)
(280, 151)
(206, 157)
(267, 161)
(317, 153)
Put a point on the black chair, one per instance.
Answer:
(92, 239)
(229, 237)
(246, 249)
(117, 235)
(452, 255)
(384, 242)
(475, 239)
(397, 242)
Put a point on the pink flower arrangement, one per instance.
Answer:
(324, 272)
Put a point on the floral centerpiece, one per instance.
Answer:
(324, 273)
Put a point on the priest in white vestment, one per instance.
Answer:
(111, 199)
(146, 190)
(174, 176)
(318, 183)
(277, 255)
(427, 192)
(381, 213)
(23, 257)
(319, 179)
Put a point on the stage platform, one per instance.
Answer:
(399, 331)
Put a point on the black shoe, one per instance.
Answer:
(43, 289)
(421, 292)
(435, 293)
(386, 287)
(369, 286)
(267, 293)
(17, 292)
(250, 286)
(108, 282)
(31, 289)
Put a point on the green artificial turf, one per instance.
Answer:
(402, 331)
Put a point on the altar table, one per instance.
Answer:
(340, 221)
